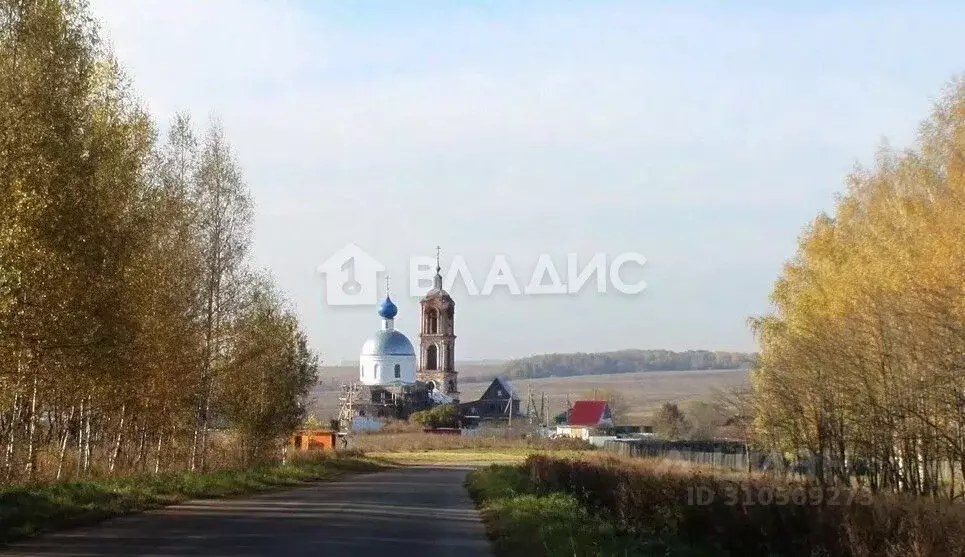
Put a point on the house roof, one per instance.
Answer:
(587, 412)
(507, 386)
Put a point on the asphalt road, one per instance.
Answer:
(418, 511)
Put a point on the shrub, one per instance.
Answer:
(525, 523)
(439, 416)
(754, 515)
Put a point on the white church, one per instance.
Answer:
(398, 381)
(388, 357)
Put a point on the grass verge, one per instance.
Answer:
(27, 510)
(521, 521)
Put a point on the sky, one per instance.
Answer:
(701, 135)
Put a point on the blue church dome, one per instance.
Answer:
(387, 309)
(388, 343)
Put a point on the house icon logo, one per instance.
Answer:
(351, 277)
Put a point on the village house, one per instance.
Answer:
(585, 419)
(498, 403)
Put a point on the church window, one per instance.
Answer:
(398, 371)
(432, 357)
(375, 372)
(432, 322)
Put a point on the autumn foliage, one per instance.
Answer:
(862, 361)
(132, 326)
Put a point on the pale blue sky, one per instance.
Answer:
(703, 135)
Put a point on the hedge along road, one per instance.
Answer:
(404, 511)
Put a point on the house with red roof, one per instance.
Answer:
(586, 418)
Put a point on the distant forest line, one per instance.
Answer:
(622, 361)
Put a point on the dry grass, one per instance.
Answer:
(443, 457)
(420, 442)
(427, 448)
(224, 452)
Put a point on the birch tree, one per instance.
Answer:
(123, 270)
(224, 213)
(862, 357)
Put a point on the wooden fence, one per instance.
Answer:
(717, 454)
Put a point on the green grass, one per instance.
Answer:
(26, 510)
(522, 522)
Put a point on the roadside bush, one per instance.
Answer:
(438, 416)
(522, 522)
(754, 515)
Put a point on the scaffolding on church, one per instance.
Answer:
(377, 402)
(348, 405)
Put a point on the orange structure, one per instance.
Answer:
(308, 439)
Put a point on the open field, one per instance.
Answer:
(433, 449)
(642, 392)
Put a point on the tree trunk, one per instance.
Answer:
(157, 455)
(139, 456)
(193, 461)
(63, 443)
(12, 438)
(202, 460)
(87, 449)
(31, 431)
(117, 441)
(80, 435)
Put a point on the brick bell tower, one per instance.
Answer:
(437, 339)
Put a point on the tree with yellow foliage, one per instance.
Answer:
(862, 358)
(127, 319)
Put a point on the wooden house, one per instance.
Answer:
(499, 402)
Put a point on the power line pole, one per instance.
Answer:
(529, 399)
(542, 409)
